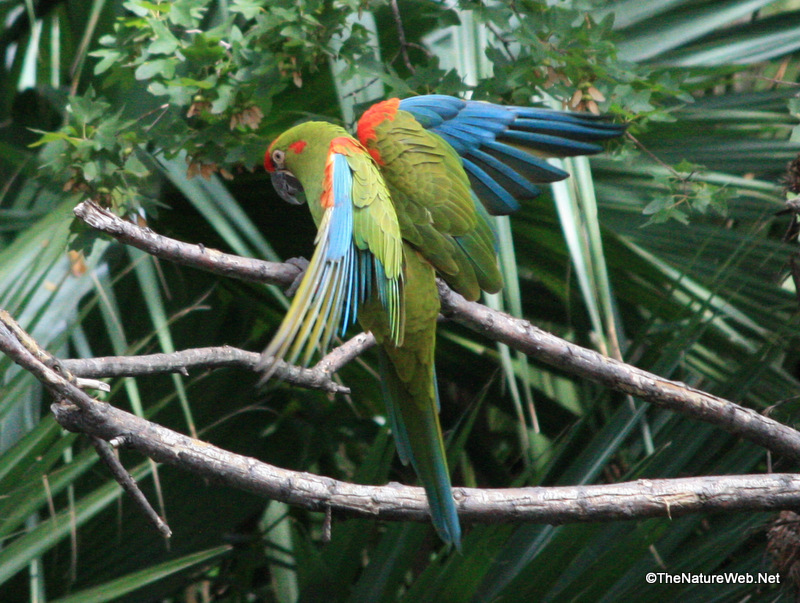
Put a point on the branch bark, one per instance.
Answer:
(196, 256)
(76, 411)
(317, 377)
(552, 505)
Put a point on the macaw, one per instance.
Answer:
(406, 200)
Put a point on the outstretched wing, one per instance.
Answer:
(490, 140)
(358, 249)
(435, 205)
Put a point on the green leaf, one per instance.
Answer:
(164, 42)
(163, 67)
(114, 589)
(248, 8)
(108, 58)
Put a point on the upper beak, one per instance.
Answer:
(287, 187)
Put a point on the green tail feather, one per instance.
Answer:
(415, 425)
(410, 392)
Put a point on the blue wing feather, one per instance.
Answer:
(341, 226)
(477, 129)
(339, 278)
(497, 200)
(552, 145)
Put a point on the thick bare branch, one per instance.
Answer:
(26, 352)
(76, 411)
(554, 505)
(672, 395)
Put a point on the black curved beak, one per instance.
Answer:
(287, 187)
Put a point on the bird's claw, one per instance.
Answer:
(302, 264)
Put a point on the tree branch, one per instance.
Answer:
(517, 333)
(129, 484)
(196, 256)
(576, 360)
(552, 505)
(23, 349)
(317, 377)
(401, 35)
(78, 412)
(643, 498)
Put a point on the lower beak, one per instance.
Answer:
(287, 187)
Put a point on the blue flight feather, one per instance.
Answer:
(475, 130)
(538, 168)
(584, 132)
(341, 229)
(498, 200)
(339, 278)
(506, 171)
(552, 144)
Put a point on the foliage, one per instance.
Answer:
(148, 106)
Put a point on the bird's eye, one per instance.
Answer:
(277, 157)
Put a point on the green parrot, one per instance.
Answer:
(408, 199)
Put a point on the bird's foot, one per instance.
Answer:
(302, 264)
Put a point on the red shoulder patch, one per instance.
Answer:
(345, 145)
(341, 145)
(372, 118)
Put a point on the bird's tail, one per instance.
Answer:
(414, 419)
(410, 392)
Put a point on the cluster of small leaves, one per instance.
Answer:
(203, 79)
(687, 193)
(97, 153)
(580, 69)
(201, 84)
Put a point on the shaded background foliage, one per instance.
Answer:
(669, 257)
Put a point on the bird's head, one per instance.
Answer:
(278, 154)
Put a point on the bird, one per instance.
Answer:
(407, 198)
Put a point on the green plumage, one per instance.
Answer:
(436, 206)
(405, 331)
(409, 382)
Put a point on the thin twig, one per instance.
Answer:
(341, 355)
(401, 36)
(129, 484)
(318, 377)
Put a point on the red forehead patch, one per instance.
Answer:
(268, 165)
(298, 146)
